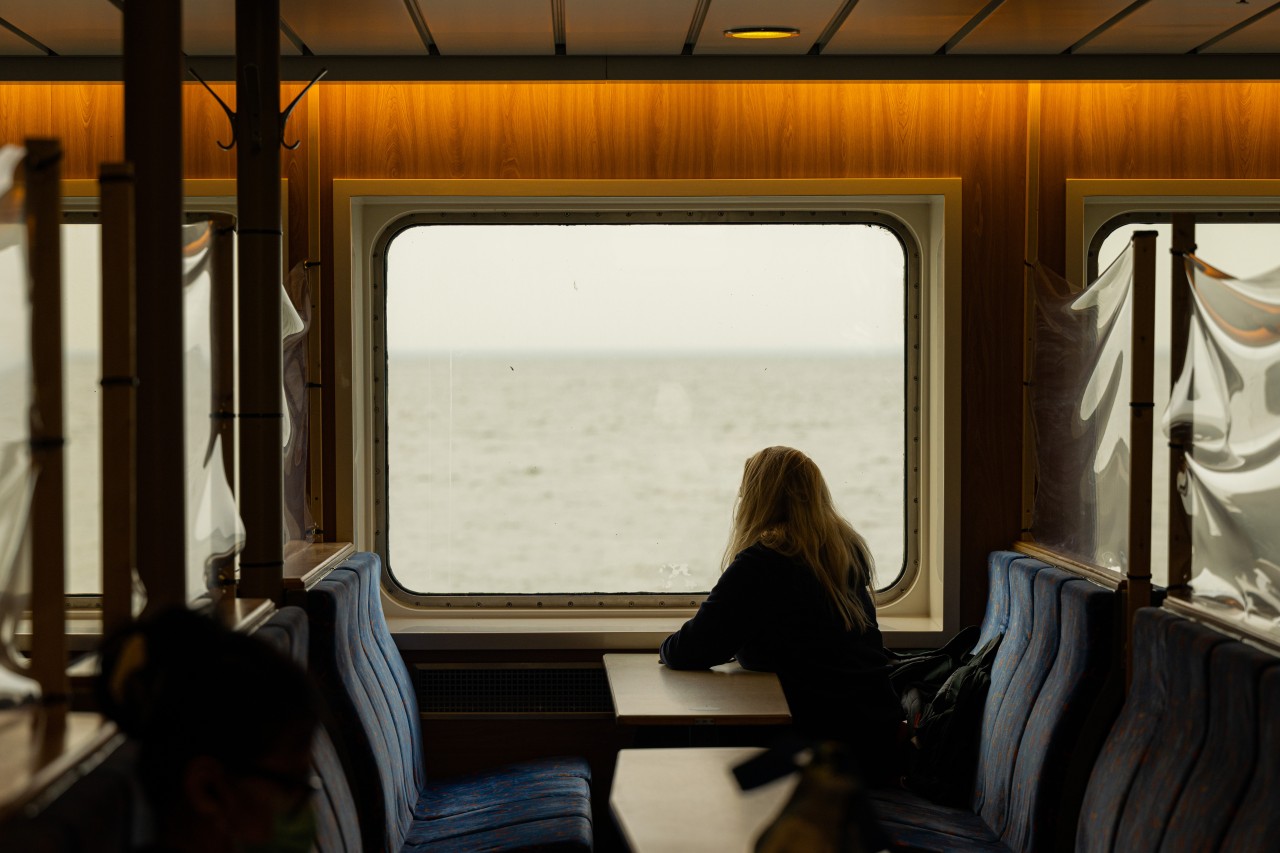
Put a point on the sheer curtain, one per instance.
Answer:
(1080, 414)
(1226, 406)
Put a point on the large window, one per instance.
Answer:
(566, 408)
(1246, 245)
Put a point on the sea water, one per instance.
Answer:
(618, 472)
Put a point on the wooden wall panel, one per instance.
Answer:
(1151, 130)
(647, 130)
(89, 119)
(664, 130)
(26, 111)
(204, 125)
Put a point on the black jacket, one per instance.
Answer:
(771, 613)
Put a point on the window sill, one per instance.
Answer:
(502, 631)
(550, 631)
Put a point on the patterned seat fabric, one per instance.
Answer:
(1191, 762)
(1047, 679)
(534, 805)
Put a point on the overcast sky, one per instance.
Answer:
(803, 288)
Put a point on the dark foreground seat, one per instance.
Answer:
(1047, 688)
(98, 812)
(337, 827)
(1193, 761)
(539, 805)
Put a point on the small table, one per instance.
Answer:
(673, 800)
(647, 693)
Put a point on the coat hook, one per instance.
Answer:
(284, 116)
(231, 116)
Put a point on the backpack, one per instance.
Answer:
(944, 760)
(916, 677)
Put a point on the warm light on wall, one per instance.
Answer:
(761, 33)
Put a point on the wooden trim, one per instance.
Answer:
(1193, 607)
(315, 336)
(119, 396)
(1097, 574)
(153, 72)
(1141, 405)
(1031, 256)
(305, 566)
(222, 405)
(41, 171)
(260, 233)
(1179, 532)
(1137, 570)
(45, 750)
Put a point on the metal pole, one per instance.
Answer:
(261, 362)
(153, 73)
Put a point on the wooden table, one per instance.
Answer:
(673, 800)
(647, 693)
(38, 746)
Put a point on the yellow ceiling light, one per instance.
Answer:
(761, 33)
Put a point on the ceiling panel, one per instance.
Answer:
(11, 45)
(209, 29)
(69, 27)
(1037, 26)
(809, 16)
(1171, 26)
(902, 26)
(490, 27)
(619, 27)
(1262, 36)
(347, 28)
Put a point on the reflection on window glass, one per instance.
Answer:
(569, 407)
(1244, 250)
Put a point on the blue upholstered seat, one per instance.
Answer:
(337, 827)
(1191, 762)
(543, 805)
(1047, 676)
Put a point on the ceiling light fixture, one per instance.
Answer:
(761, 33)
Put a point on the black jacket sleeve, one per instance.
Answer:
(723, 624)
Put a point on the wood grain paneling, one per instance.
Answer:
(647, 130)
(26, 110)
(204, 125)
(88, 118)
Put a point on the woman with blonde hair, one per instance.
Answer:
(795, 599)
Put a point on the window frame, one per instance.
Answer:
(678, 218)
(921, 608)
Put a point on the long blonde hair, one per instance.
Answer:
(785, 505)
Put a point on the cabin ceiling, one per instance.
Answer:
(400, 30)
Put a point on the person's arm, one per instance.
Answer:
(722, 625)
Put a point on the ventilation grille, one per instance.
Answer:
(513, 690)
